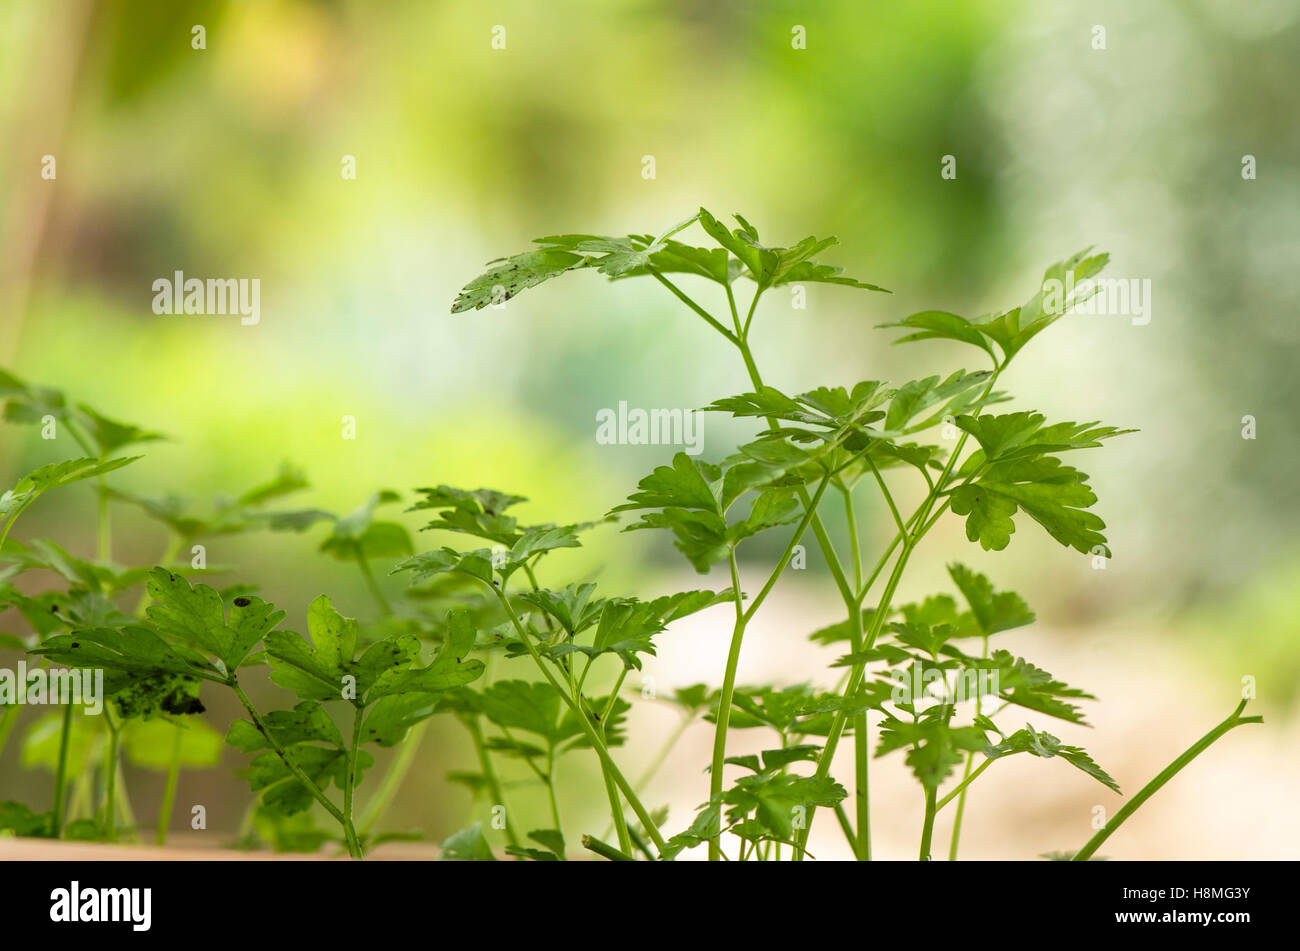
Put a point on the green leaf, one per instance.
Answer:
(19, 819)
(288, 480)
(110, 435)
(130, 650)
(1052, 494)
(448, 670)
(305, 723)
(389, 719)
(146, 696)
(283, 793)
(912, 398)
(475, 564)
(535, 541)
(506, 277)
(551, 839)
(934, 747)
(707, 825)
(992, 611)
(53, 476)
(939, 324)
(1047, 746)
(1011, 330)
(775, 799)
(467, 845)
(326, 668)
(572, 608)
(196, 616)
(149, 744)
(1031, 687)
(478, 512)
(532, 706)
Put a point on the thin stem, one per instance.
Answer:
(847, 827)
(657, 762)
(724, 703)
(854, 545)
(712, 321)
(169, 791)
(110, 775)
(354, 849)
(375, 591)
(61, 775)
(105, 531)
(961, 811)
(550, 789)
(602, 752)
(970, 761)
(927, 830)
(615, 805)
(350, 785)
(490, 776)
(753, 306)
(733, 653)
(7, 722)
(378, 804)
(124, 803)
(169, 552)
(1234, 720)
(959, 790)
(810, 513)
(884, 490)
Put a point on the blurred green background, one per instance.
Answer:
(226, 162)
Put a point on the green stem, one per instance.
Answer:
(602, 752)
(733, 653)
(375, 591)
(350, 786)
(843, 818)
(350, 835)
(61, 775)
(169, 791)
(927, 830)
(378, 804)
(124, 804)
(1234, 720)
(712, 321)
(657, 762)
(105, 536)
(490, 776)
(110, 776)
(605, 851)
(616, 810)
(7, 722)
(959, 790)
(965, 778)
(550, 790)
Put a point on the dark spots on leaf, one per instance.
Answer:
(242, 602)
(76, 643)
